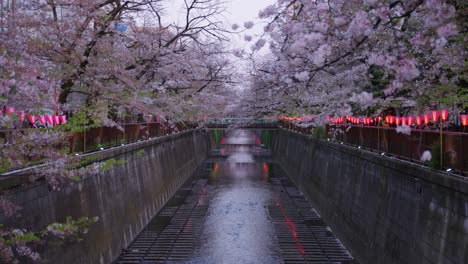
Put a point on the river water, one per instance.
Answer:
(239, 208)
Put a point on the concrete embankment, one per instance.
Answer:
(382, 209)
(124, 198)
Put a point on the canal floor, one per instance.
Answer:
(240, 208)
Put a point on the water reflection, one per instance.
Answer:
(238, 228)
(240, 158)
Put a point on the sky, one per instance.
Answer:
(237, 12)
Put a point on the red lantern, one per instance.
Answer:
(42, 119)
(398, 121)
(435, 116)
(56, 120)
(403, 120)
(444, 115)
(392, 120)
(426, 118)
(22, 116)
(410, 120)
(49, 119)
(418, 120)
(10, 110)
(32, 119)
(464, 120)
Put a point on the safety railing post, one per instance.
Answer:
(461, 155)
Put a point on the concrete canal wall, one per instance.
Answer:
(124, 198)
(383, 210)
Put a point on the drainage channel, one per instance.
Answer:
(237, 210)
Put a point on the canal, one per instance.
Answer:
(239, 207)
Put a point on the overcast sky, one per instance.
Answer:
(237, 12)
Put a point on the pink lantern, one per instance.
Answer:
(42, 119)
(32, 119)
(435, 116)
(403, 121)
(56, 120)
(22, 116)
(464, 120)
(410, 120)
(10, 110)
(418, 120)
(444, 115)
(49, 119)
(426, 118)
(63, 119)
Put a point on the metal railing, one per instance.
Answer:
(307, 130)
(454, 147)
(94, 139)
(105, 137)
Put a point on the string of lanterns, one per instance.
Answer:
(425, 119)
(43, 119)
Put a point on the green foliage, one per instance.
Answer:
(379, 80)
(217, 135)
(4, 165)
(80, 122)
(140, 152)
(110, 164)
(319, 133)
(13, 239)
(435, 152)
(71, 229)
(24, 238)
(266, 138)
(76, 178)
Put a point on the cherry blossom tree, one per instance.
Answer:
(94, 60)
(344, 57)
